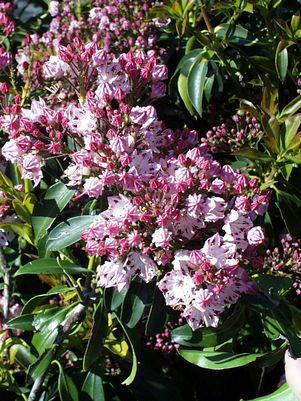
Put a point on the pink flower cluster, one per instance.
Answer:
(7, 25)
(101, 125)
(111, 25)
(187, 211)
(174, 214)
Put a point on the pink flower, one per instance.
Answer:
(55, 68)
(142, 264)
(143, 116)
(177, 288)
(159, 72)
(113, 274)
(32, 168)
(53, 8)
(5, 59)
(162, 237)
(94, 187)
(218, 253)
(255, 236)
(11, 151)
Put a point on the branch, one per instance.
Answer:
(206, 18)
(6, 271)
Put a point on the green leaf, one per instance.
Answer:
(284, 393)
(41, 365)
(130, 336)
(253, 154)
(56, 199)
(22, 211)
(22, 354)
(209, 336)
(50, 266)
(68, 232)
(23, 322)
(66, 386)
(114, 298)
(237, 34)
(183, 90)
(93, 388)
(276, 284)
(217, 360)
(290, 209)
(30, 305)
(157, 316)
(21, 229)
(281, 60)
(290, 108)
(97, 338)
(48, 320)
(196, 82)
(292, 125)
(134, 303)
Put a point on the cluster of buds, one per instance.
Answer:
(285, 261)
(233, 135)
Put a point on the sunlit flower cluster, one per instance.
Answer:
(172, 212)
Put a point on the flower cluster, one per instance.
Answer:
(7, 25)
(184, 210)
(234, 134)
(173, 213)
(286, 261)
(102, 124)
(114, 26)
(163, 341)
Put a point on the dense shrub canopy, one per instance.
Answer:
(149, 199)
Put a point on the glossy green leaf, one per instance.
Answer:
(22, 211)
(290, 108)
(274, 284)
(236, 34)
(209, 336)
(157, 316)
(97, 337)
(281, 60)
(23, 322)
(217, 360)
(50, 266)
(183, 90)
(130, 337)
(67, 389)
(39, 299)
(21, 229)
(45, 212)
(253, 154)
(284, 393)
(68, 232)
(290, 209)
(196, 82)
(92, 389)
(292, 125)
(22, 354)
(41, 365)
(137, 297)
